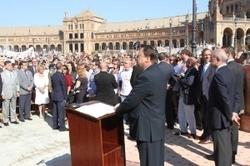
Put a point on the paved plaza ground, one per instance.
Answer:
(34, 143)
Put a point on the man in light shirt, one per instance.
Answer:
(124, 82)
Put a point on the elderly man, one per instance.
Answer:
(26, 82)
(10, 91)
(146, 107)
(220, 105)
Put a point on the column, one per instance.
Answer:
(79, 47)
(233, 39)
(244, 42)
(178, 43)
(100, 46)
(73, 47)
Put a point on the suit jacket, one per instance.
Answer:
(59, 92)
(238, 82)
(221, 95)
(25, 80)
(10, 84)
(32, 70)
(105, 85)
(190, 88)
(167, 69)
(137, 70)
(146, 105)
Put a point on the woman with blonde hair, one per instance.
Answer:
(81, 83)
(41, 82)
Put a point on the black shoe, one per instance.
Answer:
(233, 159)
(21, 120)
(55, 128)
(0, 126)
(130, 138)
(28, 119)
(209, 157)
(194, 136)
(15, 122)
(170, 127)
(6, 124)
(63, 129)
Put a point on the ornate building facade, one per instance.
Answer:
(227, 23)
(231, 20)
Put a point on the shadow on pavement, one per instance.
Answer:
(64, 160)
(174, 158)
(49, 120)
(244, 144)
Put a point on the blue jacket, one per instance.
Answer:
(59, 92)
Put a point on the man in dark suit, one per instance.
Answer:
(105, 85)
(59, 97)
(146, 107)
(238, 103)
(169, 111)
(206, 73)
(220, 104)
(137, 70)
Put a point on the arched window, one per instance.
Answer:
(96, 46)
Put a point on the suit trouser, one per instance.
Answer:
(186, 115)
(234, 137)
(170, 112)
(58, 114)
(9, 109)
(151, 153)
(125, 116)
(24, 106)
(222, 147)
(206, 130)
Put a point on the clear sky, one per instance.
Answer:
(51, 12)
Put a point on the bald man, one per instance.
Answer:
(105, 85)
(220, 104)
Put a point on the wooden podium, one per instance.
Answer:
(95, 141)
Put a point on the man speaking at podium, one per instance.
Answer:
(146, 107)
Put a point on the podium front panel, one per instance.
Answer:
(85, 141)
(96, 142)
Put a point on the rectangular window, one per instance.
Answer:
(81, 35)
(76, 35)
(70, 36)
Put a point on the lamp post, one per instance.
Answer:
(170, 36)
(187, 38)
(235, 35)
(138, 38)
(194, 29)
(147, 30)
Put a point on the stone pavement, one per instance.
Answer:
(34, 143)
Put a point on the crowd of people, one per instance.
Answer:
(153, 89)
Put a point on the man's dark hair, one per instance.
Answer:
(204, 50)
(7, 62)
(22, 62)
(149, 51)
(186, 51)
(161, 56)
